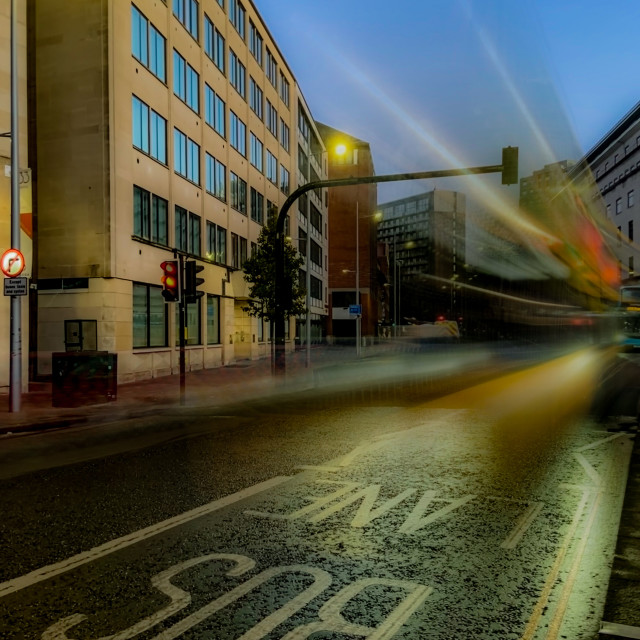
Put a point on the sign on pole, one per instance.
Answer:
(15, 286)
(355, 309)
(12, 263)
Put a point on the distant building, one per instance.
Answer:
(350, 208)
(612, 166)
(539, 188)
(426, 236)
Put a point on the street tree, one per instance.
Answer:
(260, 270)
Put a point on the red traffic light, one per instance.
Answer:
(170, 281)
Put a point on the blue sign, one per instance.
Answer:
(355, 309)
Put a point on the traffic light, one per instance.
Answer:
(192, 282)
(510, 165)
(170, 281)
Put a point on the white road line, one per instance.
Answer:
(44, 573)
(524, 522)
(597, 443)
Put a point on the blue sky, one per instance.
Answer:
(438, 83)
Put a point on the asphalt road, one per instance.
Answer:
(487, 513)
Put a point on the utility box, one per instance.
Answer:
(80, 335)
(81, 378)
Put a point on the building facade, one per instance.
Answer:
(163, 128)
(426, 236)
(353, 267)
(25, 182)
(612, 169)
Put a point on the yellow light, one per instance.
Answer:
(341, 149)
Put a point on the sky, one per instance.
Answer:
(434, 84)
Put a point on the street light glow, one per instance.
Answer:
(341, 149)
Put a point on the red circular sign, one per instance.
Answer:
(12, 263)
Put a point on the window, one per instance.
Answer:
(271, 68)
(150, 216)
(186, 157)
(630, 229)
(256, 152)
(147, 44)
(284, 180)
(316, 219)
(316, 253)
(149, 131)
(303, 163)
(213, 319)
(609, 210)
(302, 242)
(215, 177)
(187, 13)
(193, 324)
(631, 269)
(272, 119)
(213, 44)
(216, 243)
(255, 98)
(257, 206)
(237, 134)
(284, 89)
(181, 229)
(303, 124)
(272, 168)
(149, 317)
(284, 135)
(630, 198)
(315, 288)
(238, 188)
(214, 110)
(237, 74)
(194, 244)
(238, 251)
(186, 82)
(618, 205)
(237, 16)
(255, 43)
(187, 229)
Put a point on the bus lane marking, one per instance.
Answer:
(331, 618)
(44, 573)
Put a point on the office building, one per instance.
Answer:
(162, 128)
(426, 236)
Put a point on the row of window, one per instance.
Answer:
(630, 202)
(149, 131)
(186, 11)
(151, 222)
(151, 319)
(616, 157)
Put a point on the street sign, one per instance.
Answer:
(15, 286)
(355, 309)
(12, 263)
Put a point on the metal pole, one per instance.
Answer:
(15, 361)
(395, 289)
(182, 329)
(308, 285)
(359, 316)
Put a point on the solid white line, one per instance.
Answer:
(11, 586)
(524, 522)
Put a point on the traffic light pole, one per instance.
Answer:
(508, 168)
(182, 313)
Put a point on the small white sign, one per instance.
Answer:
(15, 286)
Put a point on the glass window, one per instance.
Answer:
(214, 109)
(186, 157)
(181, 229)
(630, 230)
(147, 44)
(215, 177)
(272, 168)
(213, 319)
(238, 188)
(237, 74)
(255, 43)
(271, 68)
(284, 180)
(630, 198)
(257, 206)
(255, 98)
(272, 119)
(186, 11)
(149, 317)
(237, 133)
(150, 216)
(237, 16)
(213, 43)
(179, 76)
(193, 328)
(193, 89)
(149, 131)
(256, 152)
(284, 135)
(284, 89)
(140, 125)
(194, 234)
(619, 205)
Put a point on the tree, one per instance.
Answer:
(259, 272)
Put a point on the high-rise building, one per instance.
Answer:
(426, 235)
(353, 270)
(161, 128)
